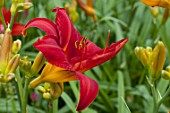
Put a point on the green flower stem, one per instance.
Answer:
(155, 99)
(163, 98)
(13, 105)
(19, 85)
(2, 19)
(25, 95)
(55, 106)
(12, 20)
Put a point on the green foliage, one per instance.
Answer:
(122, 80)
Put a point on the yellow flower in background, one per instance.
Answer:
(88, 8)
(161, 3)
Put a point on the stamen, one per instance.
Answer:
(76, 43)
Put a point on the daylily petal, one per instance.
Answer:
(99, 57)
(52, 52)
(64, 26)
(88, 91)
(54, 77)
(42, 23)
(7, 15)
(17, 29)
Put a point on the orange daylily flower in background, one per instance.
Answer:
(88, 8)
(161, 3)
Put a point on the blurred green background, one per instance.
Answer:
(122, 80)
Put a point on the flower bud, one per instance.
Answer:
(155, 11)
(12, 64)
(157, 60)
(143, 55)
(38, 63)
(16, 46)
(56, 89)
(25, 63)
(41, 89)
(168, 69)
(6, 49)
(7, 77)
(46, 95)
(166, 75)
(24, 6)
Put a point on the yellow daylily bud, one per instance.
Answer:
(47, 85)
(16, 46)
(25, 63)
(38, 63)
(24, 6)
(166, 75)
(6, 49)
(56, 89)
(12, 64)
(168, 69)
(41, 89)
(157, 60)
(7, 77)
(46, 95)
(161, 3)
(143, 55)
(155, 11)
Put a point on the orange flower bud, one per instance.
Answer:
(6, 49)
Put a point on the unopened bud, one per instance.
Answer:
(155, 11)
(38, 63)
(16, 46)
(6, 49)
(46, 95)
(143, 55)
(41, 89)
(157, 60)
(166, 75)
(25, 63)
(168, 69)
(56, 89)
(12, 64)
(24, 6)
(6, 78)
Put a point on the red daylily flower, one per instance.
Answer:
(70, 54)
(16, 29)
